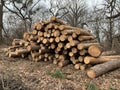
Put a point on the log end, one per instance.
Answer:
(94, 51)
(91, 73)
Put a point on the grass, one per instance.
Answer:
(112, 88)
(56, 74)
(91, 86)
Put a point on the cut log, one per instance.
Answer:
(55, 61)
(21, 51)
(94, 50)
(56, 33)
(13, 54)
(83, 66)
(77, 66)
(35, 32)
(57, 39)
(83, 52)
(107, 53)
(84, 38)
(81, 58)
(100, 69)
(81, 46)
(73, 60)
(54, 19)
(33, 47)
(101, 59)
(63, 63)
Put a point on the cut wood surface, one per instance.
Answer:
(94, 50)
(100, 69)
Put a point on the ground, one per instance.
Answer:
(23, 74)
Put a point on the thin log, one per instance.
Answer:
(107, 53)
(54, 19)
(33, 47)
(63, 63)
(84, 38)
(81, 46)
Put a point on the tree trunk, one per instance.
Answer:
(1, 19)
(100, 69)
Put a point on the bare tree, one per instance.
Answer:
(24, 9)
(1, 18)
(76, 15)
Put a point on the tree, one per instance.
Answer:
(1, 19)
(77, 13)
(24, 9)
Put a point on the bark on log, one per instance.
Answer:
(101, 59)
(81, 46)
(33, 47)
(84, 38)
(100, 69)
(107, 53)
(54, 19)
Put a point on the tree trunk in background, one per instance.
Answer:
(1, 19)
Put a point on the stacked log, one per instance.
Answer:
(53, 40)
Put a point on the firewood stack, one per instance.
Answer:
(62, 44)
(57, 41)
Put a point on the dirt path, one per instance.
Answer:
(22, 74)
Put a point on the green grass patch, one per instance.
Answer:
(91, 86)
(56, 74)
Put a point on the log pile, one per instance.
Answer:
(53, 40)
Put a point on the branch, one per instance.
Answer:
(114, 16)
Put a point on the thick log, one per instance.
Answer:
(63, 63)
(100, 69)
(101, 59)
(95, 50)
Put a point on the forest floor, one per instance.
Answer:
(23, 74)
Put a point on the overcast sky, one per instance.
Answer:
(92, 3)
